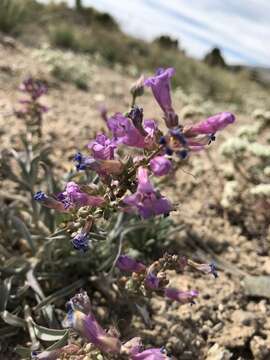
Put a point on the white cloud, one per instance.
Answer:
(240, 27)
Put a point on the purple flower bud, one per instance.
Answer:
(40, 196)
(160, 165)
(84, 162)
(81, 241)
(49, 201)
(136, 115)
(137, 88)
(205, 268)
(152, 281)
(182, 297)
(126, 263)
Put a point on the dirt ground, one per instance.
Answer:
(228, 321)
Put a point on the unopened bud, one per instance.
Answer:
(137, 88)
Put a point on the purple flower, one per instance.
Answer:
(84, 162)
(81, 241)
(150, 354)
(160, 165)
(211, 125)
(161, 88)
(34, 88)
(89, 328)
(146, 201)
(102, 148)
(205, 268)
(133, 349)
(74, 197)
(182, 297)
(102, 167)
(203, 133)
(126, 133)
(49, 201)
(152, 281)
(126, 263)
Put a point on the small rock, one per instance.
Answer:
(258, 286)
(244, 317)
(217, 352)
(260, 348)
(234, 336)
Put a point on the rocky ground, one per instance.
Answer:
(231, 317)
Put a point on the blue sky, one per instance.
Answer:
(241, 28)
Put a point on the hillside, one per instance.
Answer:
(97, 34)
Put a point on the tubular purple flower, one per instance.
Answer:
(74, 197)
(211, 125)
(182, 297)
(205, 268)
(102, 167)
(89, 328)
(102, 148)
(150, 354)
(126, 263)
(161, 88)
(160, 165)
(133, 349)
(146, 201)
(49, 201)
(125, 132)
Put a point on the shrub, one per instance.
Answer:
(12, 15)
(63, 36)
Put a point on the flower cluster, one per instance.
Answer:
(132, 153)
(32, 110)
(80, 317)
(145, 280)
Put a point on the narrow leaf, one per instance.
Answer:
(22, 229)
(5, 287)
(47, 334)
(12, 319)
(60, 343)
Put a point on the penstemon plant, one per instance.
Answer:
(119, 172)
(115, 200)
